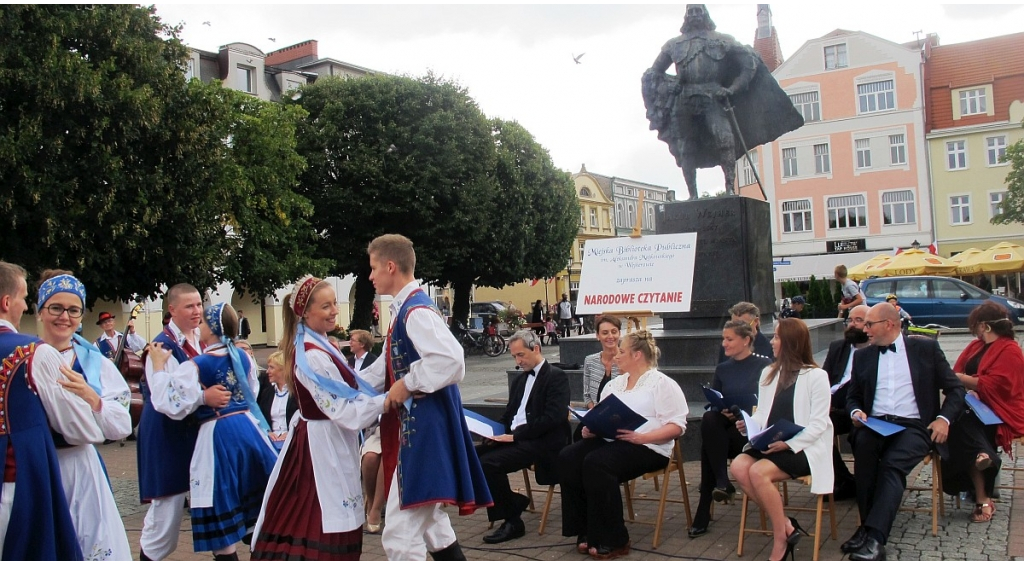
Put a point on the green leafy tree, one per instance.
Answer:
(391, 154)
(117, 168)
(1013, 204)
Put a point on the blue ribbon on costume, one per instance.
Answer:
(243, 382)
(340, 389)
(91, 360)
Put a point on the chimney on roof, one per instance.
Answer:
(766, 40)
(292, 52)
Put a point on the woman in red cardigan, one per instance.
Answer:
(992, 368)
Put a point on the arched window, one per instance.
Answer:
(585, 192)
(618, 214)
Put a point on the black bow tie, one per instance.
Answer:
(883, 350)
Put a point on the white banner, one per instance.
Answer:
(652, 273)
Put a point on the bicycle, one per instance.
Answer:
(473, 341)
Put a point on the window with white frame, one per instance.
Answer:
(956, 155)
(583, 245)
(583, 222)
(649, 217)
(618, 214)
(607, 219)
(746, 172)
(995, 203)
(996, 148)
(190, 69)
(789, 162)
(898, 149)
(630, 214)
(973, 102)
(876, 96)
(960, 209)
(863, 153)
(796, 216)
(845, 212)
(822, 162)
(245, 79)
(808, 105)
(835, 56)
(593, 217)
(898, 207)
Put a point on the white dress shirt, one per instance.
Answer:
(894, 392)
(135, 342)
(358, 362)
(520, 417)
(442, 361)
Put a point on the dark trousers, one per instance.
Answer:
(590, 472)
(497, 461)
(881, 466)
(565, 325)
(968, 438)
(720, 440)
(842, 424)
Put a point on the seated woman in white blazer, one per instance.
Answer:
(792, 388)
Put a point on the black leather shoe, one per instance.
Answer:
(724, 495)
(452, 553)
(694, 532)
(506, 532)
(871, 550)
(855, 542)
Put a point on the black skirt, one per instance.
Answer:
(793, 463)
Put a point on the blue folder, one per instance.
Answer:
(782, 430)
(746, 402)
(610, 415)
(984, 412)
(883, 427)
(496, 427)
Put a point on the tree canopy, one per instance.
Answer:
(117, 168)
(1013, 204)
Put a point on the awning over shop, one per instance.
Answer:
(820, 266)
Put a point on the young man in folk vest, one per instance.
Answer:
(165, 445)
(424, 466)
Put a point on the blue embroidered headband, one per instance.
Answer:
(212, 315)
(60, 283)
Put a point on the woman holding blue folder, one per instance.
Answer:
(992, 370)
(591, 470)
(793, 389)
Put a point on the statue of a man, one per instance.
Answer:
(719, 85)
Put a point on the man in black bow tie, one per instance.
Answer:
(897, 380)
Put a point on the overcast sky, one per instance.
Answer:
(517, 60)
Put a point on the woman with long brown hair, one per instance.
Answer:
(313, 508)
(991, 368)
(793, 388)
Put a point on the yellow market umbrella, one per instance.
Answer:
(915, 262)
(962, 256)
(998, 259)
(866, 268)
(964, 261)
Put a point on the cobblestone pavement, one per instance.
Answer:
(911, 537)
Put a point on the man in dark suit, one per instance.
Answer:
(897, 380)
(360, 342)
(536, 423)
(244, 330)
(839, 366)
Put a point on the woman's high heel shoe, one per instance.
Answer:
(795, 536)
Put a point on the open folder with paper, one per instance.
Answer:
(781, 430)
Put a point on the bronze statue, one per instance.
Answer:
(721, 102)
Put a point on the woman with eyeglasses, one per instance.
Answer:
(96, 380)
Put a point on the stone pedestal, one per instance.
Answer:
(734, 257)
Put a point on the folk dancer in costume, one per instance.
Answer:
(35, 523)
(233, 456)
(313, 508)
(165, 445)
(97, 521)
(110, 340)
(429, 458)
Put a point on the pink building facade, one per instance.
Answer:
(853, 181)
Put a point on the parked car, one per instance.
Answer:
(488, 311)
(936, 299)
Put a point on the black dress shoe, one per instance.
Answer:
(724, 495)
(451, 553)
(871, 550)
(855, 542)
(694, 532)
(506, 532)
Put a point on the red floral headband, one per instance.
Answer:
(302, 293)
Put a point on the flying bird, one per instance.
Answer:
(577, 58)
(273, 39)
(207, 23)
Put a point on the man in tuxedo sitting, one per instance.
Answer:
(897, 380)
(536, 424)
(839, 365)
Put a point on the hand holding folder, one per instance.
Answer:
(725, 403)
(759, 438)
(608, 416)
